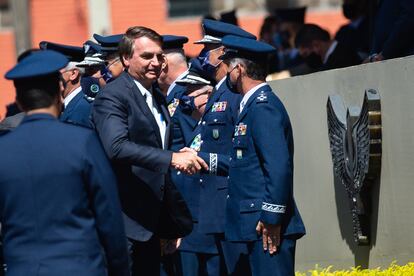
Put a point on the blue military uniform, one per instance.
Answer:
(109, 49)
(78, 110)
(261, 172)
(60, 213)
(93, 62)
(211, 138)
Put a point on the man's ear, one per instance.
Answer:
(125, 61)
(74, 74)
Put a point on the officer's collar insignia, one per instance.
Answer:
(261, 98)
(196, 143)
(173, 106)
(240, 130)
(219, 107)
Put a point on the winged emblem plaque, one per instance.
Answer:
(355, 136)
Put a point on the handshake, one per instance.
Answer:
(187, 161)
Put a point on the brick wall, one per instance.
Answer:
(62, 21)
(67, 22)
(7, 60)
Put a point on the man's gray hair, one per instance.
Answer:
(74, 65)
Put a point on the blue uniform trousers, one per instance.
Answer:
(256, 262)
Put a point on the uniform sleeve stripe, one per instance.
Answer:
(213, 163)
(273, 208)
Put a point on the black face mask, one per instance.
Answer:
(230, 85)
(281, 40)
(350, 11)
(313, 60)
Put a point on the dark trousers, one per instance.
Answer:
(254, 261)
(144, 257)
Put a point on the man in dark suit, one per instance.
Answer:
(60, 213)
(321, 52)
(356, 33)
(133, 124)
(393, 30)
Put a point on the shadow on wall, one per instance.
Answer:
(361, 252)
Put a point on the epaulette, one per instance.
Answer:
(88, 98)
(262, 97)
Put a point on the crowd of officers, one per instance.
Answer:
(129, 160)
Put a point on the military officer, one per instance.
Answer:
(77, 106)
(92, 80)
(110, 50)
(197, 249)
(261, 213)
(60, 213)
(175, 68)
(213, 135)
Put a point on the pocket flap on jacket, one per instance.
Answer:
(250, 205)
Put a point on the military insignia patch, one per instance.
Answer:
(196, 144)
(94, 88)
(240, 130)
(239, 154)
(172, 107)
(262, 97)
(219, 107)
(216, 133)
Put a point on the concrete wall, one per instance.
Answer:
(321, 198)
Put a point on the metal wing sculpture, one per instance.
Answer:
(355, 141)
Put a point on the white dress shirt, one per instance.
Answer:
(162, 126)
(72, 95)
(220, 82)
(247, 96)
(330, 51)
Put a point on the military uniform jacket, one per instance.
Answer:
(213, 138)
(59, 205)
(261, 170)
(78, 111)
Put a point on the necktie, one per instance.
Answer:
(157, 115)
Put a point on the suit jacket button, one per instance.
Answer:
(162, 188)
(201, 180)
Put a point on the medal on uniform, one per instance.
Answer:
(219, 107)
(173, 106)
(240, 130)
(196, 144)
(239, 154)
(216, 133)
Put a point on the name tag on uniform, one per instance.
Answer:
(196, 144)
(239, 154)
(240, 130)
(173, 106)
(219, 107)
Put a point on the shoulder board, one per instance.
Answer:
(261, 98)
(88, 99)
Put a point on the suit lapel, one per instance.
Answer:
(140, 100)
